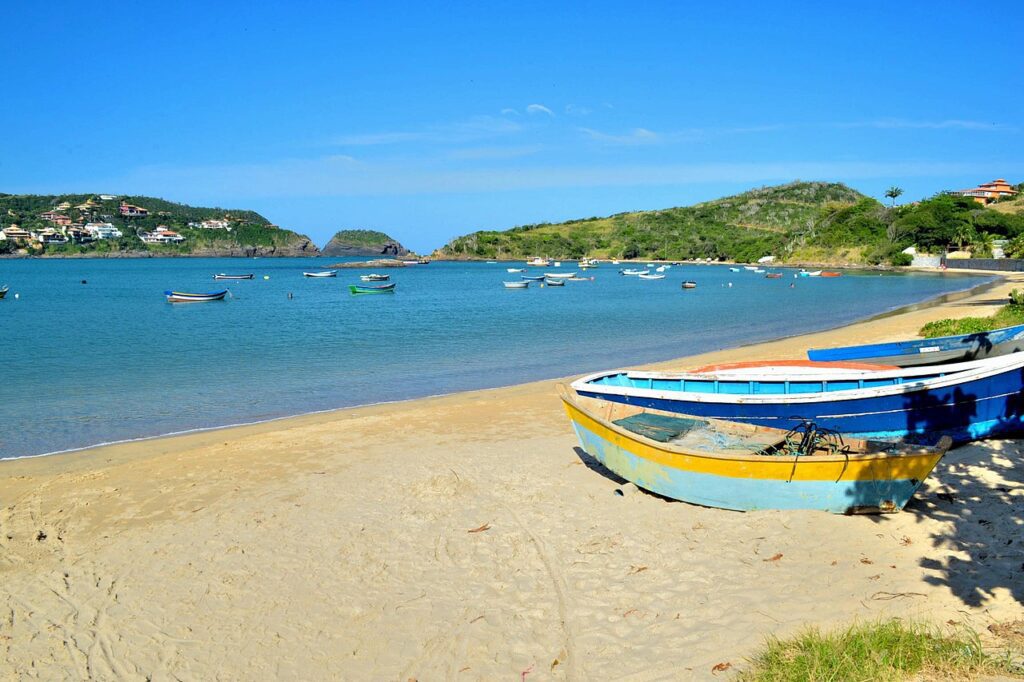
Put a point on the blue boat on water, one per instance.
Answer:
(966, 401)
(930, 351)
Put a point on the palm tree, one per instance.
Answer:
(893, 192)
(964, 234)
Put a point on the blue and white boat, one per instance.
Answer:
(960, 348)
(531, 278)
(966, 401)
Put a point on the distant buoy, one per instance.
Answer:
(84, 281)
(17, 296)
(730, 284)
(290, 296)
(266, 276)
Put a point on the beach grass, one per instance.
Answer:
(1007, 316)
(890, 651)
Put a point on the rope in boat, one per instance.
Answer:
(806, 438)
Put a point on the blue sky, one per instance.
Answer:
(430, 120)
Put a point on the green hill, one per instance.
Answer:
(798, 221)
(247, 233)
(363, 243)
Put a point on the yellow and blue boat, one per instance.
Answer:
(746, 467)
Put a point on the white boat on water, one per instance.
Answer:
(661, 268)
(374, 277)
(651, 276)
(734, 269)
(539, 262)
(325, 273)
(558, 263)
(516, 285)
(615, 262)
(515, 269)
(635, 272)
(559, 275)
(752, 268)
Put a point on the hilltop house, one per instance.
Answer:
(103, 231)
(56, 218)
(988, 192)
(63, 206)
(131, 211)
(161, 235)
(15, 233)
(50, 236)
(108, 197)
(212, 225)
(79, 235)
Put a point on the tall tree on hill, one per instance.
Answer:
(892, 193)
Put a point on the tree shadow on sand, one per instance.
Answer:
(977, 496)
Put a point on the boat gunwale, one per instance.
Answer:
(907, 450)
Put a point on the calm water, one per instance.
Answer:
(110, 360)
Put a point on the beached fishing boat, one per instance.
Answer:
(555, 282)
(533, 278)
(559, 275)
(966, 401)
(223, 276)
(515, 269)
(185, 297)
(743, 467)
(651, 276)
(373, 277)
(362, 289)
(516, 285)
(634, 272)
(935, 351)
(690, 284)
(325, 273)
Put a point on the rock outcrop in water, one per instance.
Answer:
(363, 243)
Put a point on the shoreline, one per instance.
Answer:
(466, 533)
(952, 296)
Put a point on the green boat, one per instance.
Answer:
(383, 289)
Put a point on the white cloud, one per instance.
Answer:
(633, 137)
(343, 176)
(575, 110)
(949, 124)
(476, 128)
(539, 109)
(508, 111)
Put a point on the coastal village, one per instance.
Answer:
(107, 219)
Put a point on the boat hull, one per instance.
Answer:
(967, 405)
(385, 289)
(920, 352)
(233, 276)
(3, 292)
(837, 485)
(184, 297)
(330, 273)
(516, 285)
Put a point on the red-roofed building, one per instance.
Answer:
(56, 218)
(988, 192)
(130, 211)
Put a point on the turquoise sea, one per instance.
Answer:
(109, 359)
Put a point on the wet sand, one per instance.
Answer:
(465, 537)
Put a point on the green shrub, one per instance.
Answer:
(901, 259)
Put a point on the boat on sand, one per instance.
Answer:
(746, 467)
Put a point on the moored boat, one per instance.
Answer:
(532, 278)
(374, 277)
(828, 273)
(634, 272)
(186, 297)
(734, 269)
(690, 284)
(3, 291)
(325, 273)
(516, 285)
(966, 401)
(917, 352)
(751, 268)
(362, 289)
(555, 282)
(515, 269)
(773, 275)
(223, 276)
(559, 275)
(651, 276)
(745, 467)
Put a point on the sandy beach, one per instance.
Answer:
(466, 537)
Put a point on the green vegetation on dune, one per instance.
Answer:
(888, 650)
(1008, 316)
(800, 221)
(362, 237)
